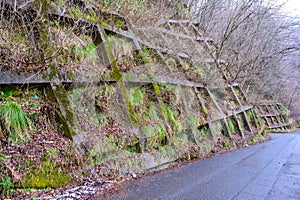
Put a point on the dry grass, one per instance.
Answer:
(145, 13)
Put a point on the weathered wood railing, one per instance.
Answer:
(271, 114)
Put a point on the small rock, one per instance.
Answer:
(134, 175)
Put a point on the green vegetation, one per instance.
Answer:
(5, 187)
(175, 122)
(119, 119)
(2, 158)
(253, 118)
(193, 121)
(237, 91)
(256, 138)
(6, 92)
(155, 136)
(217, 128)
(133, 145)
(236, 101)
(208, 147)
(137, 97)
(23, 111)
(139, 11)
(162, 133)
(203, 110)
(231, 125)
(241, 121)
(14, 122)
(249, 114)
(203, 133)
(5, 182)
(46, 176)
(285, 111)
(228, 144)
(88, 50)
(59, 2)
(138, 103)
(152, 114)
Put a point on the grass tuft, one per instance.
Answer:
(231, 125)
(14, 122)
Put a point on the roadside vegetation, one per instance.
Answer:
(258, 43)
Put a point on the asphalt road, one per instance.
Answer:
(265, 171)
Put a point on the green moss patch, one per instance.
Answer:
(46, 176)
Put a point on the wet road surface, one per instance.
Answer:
(266, 171)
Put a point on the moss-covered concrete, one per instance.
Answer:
(68, 119)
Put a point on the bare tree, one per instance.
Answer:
(257, 41)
